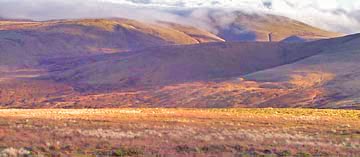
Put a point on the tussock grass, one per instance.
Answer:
(182, 131)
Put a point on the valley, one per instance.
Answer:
(231, 74)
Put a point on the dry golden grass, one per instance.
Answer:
(180, 132)
(282, 27)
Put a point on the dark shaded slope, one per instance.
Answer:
(256, 27)
(178, 64)
(327, 80)
(294, 39)
(25, 43)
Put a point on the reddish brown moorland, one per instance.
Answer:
(180, 132)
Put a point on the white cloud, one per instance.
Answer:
(336, 15)
(330, 14)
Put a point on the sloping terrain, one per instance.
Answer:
(24, 43)
(294, 39)
(206, 75)
(124, 63)
(187, 76)
(159, 66)
(329, 79)
(179, 64)
(256, 27)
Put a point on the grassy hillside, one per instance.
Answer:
(320, 74)
(179, 64)
(100, 63)
(331, 77)
(224, 75)
(256, 27)
(24, 43)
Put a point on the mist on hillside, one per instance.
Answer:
(329, 15)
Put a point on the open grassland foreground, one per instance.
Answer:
(179, 132)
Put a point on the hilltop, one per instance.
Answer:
(25, 43)
(256, 27)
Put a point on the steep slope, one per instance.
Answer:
(107, 63)
(256, 27)
(170, 32)
(330, 79)
(23, 43)
(320, 74)
(173, 76)
(178, 64)
(200, 35)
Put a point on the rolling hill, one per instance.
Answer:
(330, 79)
(24, 43)
(159, 66)
(101, 63)
(178, 64)
(256, 27)
(320, 74)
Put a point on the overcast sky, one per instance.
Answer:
(335, 15)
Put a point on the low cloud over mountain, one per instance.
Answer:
(335, 15)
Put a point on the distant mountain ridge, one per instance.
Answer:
(24, 43)
(33, 40)
(97, 63)
(257, 27)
